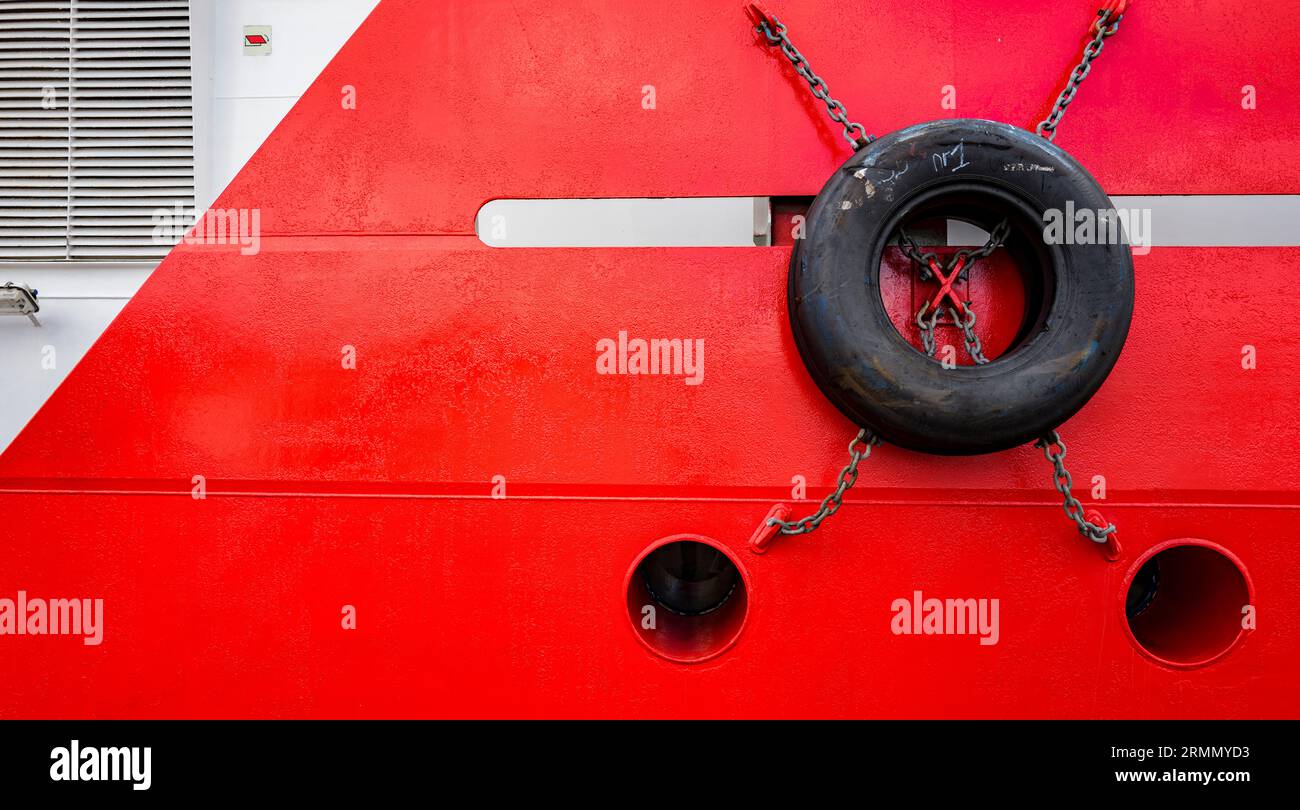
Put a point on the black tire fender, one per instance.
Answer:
(976, 170)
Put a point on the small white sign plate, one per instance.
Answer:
(257, 40)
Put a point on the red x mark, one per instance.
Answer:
(945, 285)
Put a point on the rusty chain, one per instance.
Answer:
(927, 328)
(859, 450)
(1105, 26)
(996, 239)
(816, 83)
(967, 326)
(1051, 444)
(1063, 483)
(966, 319)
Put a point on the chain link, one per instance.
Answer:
(927, 329)
(1105, 26)
(1054, 450)
(816, 84)
(913, 251)
(995, 240)
(859, 449)
(967, 326)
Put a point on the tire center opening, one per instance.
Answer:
(1010, 291)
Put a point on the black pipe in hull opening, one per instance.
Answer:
(689, 578)
(1143, 590)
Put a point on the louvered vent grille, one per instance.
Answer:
(96, 127)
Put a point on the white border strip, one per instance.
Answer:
(1219, 220)
(625, 222)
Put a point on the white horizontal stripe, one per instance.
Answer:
(1228, 220)
(621, 222)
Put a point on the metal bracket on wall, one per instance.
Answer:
(19, 299)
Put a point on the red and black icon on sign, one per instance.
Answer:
(257, 39)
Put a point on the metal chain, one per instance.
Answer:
(1051, 444)
(859, 449)
(1063, 482)
(816, 83)
(966, 320)
(913, 251)
(1105, 26)
(927, 329)
(996, 239)
(967, 325)
(774, 32)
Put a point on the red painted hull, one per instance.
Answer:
(372, 487)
